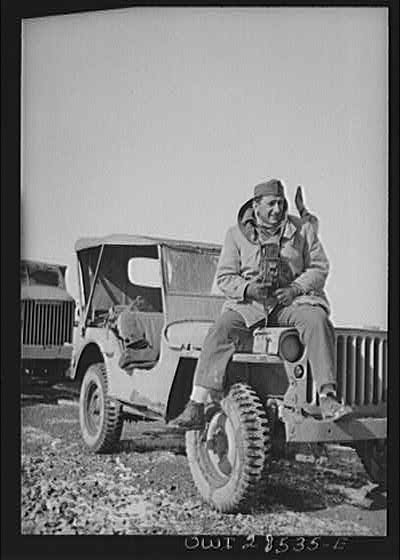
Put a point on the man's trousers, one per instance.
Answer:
(229, 334)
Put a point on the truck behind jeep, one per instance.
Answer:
(146, 306)
(47, 319)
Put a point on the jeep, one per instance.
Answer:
(146, 306)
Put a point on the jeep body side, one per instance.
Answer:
(151, 387)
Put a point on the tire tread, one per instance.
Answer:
(256, 447)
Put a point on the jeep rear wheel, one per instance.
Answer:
(229, 459)
(373, 455)
(99, 415)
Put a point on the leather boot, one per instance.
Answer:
(192, 417)
(331, 409)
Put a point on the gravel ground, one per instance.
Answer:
(145, 487)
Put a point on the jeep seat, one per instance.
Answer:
(143, 343)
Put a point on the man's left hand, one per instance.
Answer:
(285, 296)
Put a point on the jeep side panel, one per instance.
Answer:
(144, 387)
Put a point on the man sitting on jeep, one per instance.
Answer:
(296, 297)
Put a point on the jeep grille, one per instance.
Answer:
(46, 323)
(361, 366)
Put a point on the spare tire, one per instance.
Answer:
(229, 459)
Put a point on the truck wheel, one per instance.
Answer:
(229, 459)
(372, 453)
(99, 415)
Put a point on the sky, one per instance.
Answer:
(160, 121)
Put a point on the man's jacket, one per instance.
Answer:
(301, 252)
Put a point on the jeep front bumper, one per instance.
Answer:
(347, 429)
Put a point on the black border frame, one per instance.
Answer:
(15, 545)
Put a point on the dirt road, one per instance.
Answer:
(146, 486)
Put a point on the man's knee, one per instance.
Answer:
(318, 316)
(313, 318)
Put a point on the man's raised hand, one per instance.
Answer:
(298, 199)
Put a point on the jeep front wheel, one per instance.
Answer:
(99, 415)
(230, 458)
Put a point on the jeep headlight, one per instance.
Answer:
(290, 347)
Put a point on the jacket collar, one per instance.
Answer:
(290, 228)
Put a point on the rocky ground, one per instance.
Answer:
(145, 487)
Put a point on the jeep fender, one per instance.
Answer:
(96, 346)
